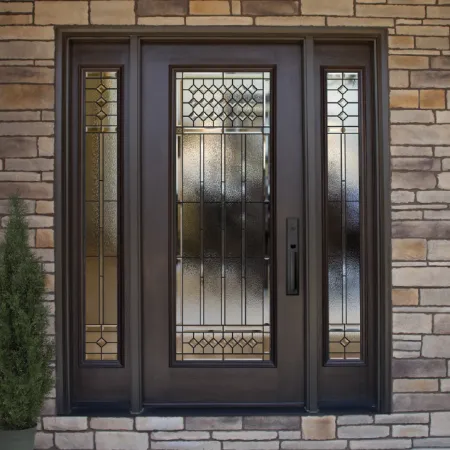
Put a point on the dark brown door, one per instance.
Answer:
(223, 303)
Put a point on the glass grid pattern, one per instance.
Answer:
(343, 215)
(101, 215)
(223, 268)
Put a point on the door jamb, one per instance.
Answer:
(305, 35)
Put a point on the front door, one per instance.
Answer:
(223, 295)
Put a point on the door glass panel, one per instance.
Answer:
(343, 217)
(101, 216)
(223, 219)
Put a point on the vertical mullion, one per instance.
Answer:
(313, 230)
(133, 230)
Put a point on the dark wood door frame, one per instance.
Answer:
(307, 36)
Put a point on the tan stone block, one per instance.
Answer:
(432, 99)
(209, 8)
(408, 323)
(440, 62)
(44, 239)
(19, 116)
(27, 33)
(61, 12)
(401, 42)
(327, 7)
(408, 62)
(26, 50)
(17, 147)
(48, 176)
(359, 22)
(112, 12)
(319, 428)
(236, 8)
(290, 21)
(441, 321)
(16, 19)
(270, 7)
(20, 74)
(409, 249)
(409, 431)
(402, 11)
(19, 176)
(423, 30)
(160, 20)
(398, 78)
(26, 128)
(46, 146)
(421, 276)
(416, 385)
(44, 62)
(44, 207)
(30, 164)
(438, 12)
(441, 43)
(48, 116)
(404, 98)
(219, 20)
(400, 297)
(161, 7)
(26, 96)
(16, 7)
(30, 191)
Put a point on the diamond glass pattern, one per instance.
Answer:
(223, 267)
(343, 221)
(101, 206)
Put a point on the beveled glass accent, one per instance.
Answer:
(101, 215)
(343, 229)
(223, 263)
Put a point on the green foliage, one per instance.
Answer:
(25, 349)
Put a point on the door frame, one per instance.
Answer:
(307, 36)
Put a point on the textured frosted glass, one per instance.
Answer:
(212, 274)
(254, 168)
(110, 234)
(223, 310)
(343, 215)
(191, 291)
(233, 168)
(212, 146)
(92, 230)
(212, 230)
(191, 230)
(110, 166)
(233, 291)
(255, 290)
(92, 174)
(191, 168)
(255, 225)
(233, 230)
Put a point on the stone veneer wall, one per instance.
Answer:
(420, 147)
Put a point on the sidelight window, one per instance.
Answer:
(343, 241)
(101, 215)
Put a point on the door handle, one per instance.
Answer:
(292, 256)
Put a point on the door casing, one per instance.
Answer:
(134, 36)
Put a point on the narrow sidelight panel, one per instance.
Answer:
(343, 240)
(223, 216)
(101, 203)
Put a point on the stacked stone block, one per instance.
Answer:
(419, 75)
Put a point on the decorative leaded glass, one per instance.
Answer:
(101, 215)
(343, 216)
(223, 266)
